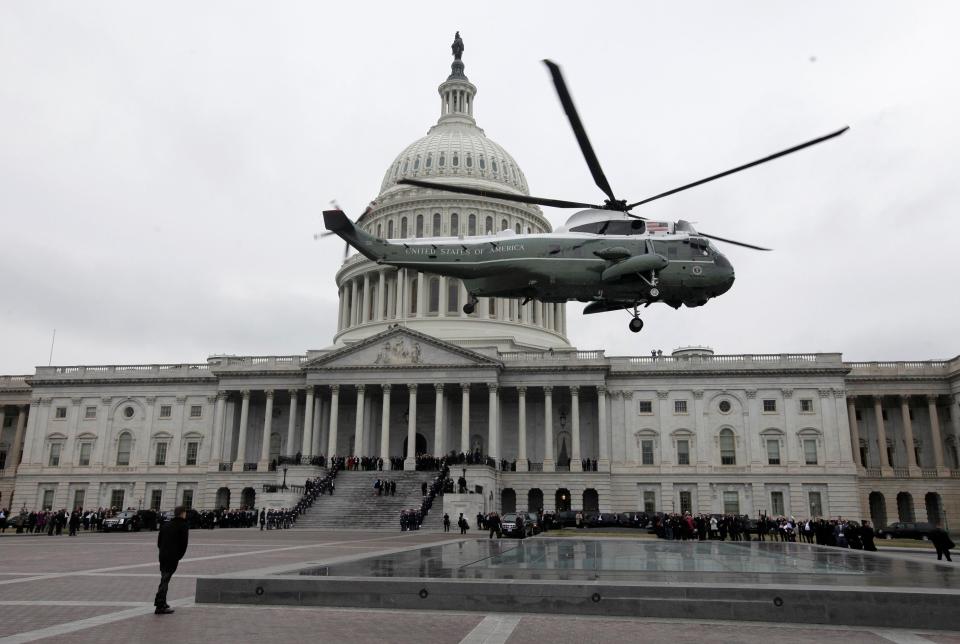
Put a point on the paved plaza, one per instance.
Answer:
(99, 588)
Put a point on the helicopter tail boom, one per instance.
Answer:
(339, 224)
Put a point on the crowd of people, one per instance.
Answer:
(385, 487)
(413, 518)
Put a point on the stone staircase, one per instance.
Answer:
(354, 504)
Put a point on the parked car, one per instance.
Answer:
(513, 525)
(128, 521)
(905, 530)
(566, 519)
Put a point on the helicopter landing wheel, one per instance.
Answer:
(654, 292)
(636, 324)
(469, 307)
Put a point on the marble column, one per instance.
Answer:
(334, 412)
(465, 418)
(354, 305)
(381, 296)
(912, 464)
(438, 422)
(219, 418)
(935, 436)
(603, 460)
(493, 422)
(358, 448)
(385, 428)
(365, 313)
(421, 295)
(307, 443)
(854, 430)
(316, 440)
(242, 440)
(523, 465)
(886, 467)
(263, 466)
(955, 416)
(292, 424)
(576, 465)
(13, 458)
(411, 461)
(549, 465)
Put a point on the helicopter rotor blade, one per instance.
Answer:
(496, 194)
(588, 154)
(742, 167)
(731, 241)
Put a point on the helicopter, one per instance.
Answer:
(604, 255)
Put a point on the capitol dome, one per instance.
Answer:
(455, 150)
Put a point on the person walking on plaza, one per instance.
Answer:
(172, 543)
(941, 541)
(446, 523)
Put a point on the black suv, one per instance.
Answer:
(513, 525)
(906, 530)
(128, 521)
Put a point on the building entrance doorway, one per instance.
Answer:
(562, 499)
(420, 445)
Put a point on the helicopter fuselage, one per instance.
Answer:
(678, 268)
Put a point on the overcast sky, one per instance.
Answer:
(163, 166)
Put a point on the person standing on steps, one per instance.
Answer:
(172, 543)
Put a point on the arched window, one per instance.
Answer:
(123, 448)
(454, 225)
(728, 448)
(413, 296)
(416, 163)
(390, 229)
(442, 161)
(437, 228)
(453, 295)
(472, 225)
(483, 163)
(516, 228)
(905, 507)
(429, 159)
(406, 163)
(469, 160)
(878, 509)
(504, 224)
(419, 225)
(456, 159)
(488, 229)
(434, 304)
(403, 228)
(493, 165)
(379, 230)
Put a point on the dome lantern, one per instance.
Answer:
(457, 92)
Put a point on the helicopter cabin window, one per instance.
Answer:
(504, 225)
(488, 229)
(403, 228)
(416, 163)
(390, 229)
(469, 161)
(453, 295)
(612, 227)
(419, 225)
(434, 296)
(472, 225)
(454, 225)
(429, 161)
(442, 161)
(456, 160)
(483, 163)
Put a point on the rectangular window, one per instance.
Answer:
(196, 411)
(679, 406)
(863, 456)
(646, 406)
(810, 451)
(61, 413)
(85, 449)
(731, 503)
(884, 414)
(78, 498)
(192, 449)
(649, 501)
(773, 452)
(8, 421)
(90, 413)
(116, 499)
(776, 504)
(858, 415)
(48, 500)
(161, 458)
(769, 406)
(3, 459)
(686, 502)
(646, 452)
(816, 509)
(806, 406)
(156, 496)
(187, 499)
(683, 452)
(165, 411)
(54, 454)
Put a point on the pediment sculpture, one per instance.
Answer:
(399, 353)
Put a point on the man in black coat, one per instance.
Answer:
(941, 541)
(172, 543)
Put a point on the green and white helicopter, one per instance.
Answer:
(604, 255)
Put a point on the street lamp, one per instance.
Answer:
(284, 485)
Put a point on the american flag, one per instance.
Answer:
(658, 226)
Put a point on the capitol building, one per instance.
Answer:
(408, 372)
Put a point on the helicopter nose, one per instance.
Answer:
(725, 274)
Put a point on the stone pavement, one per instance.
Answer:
(100, 587)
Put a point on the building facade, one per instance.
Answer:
(410, 373)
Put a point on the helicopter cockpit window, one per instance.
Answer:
(613, 227)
